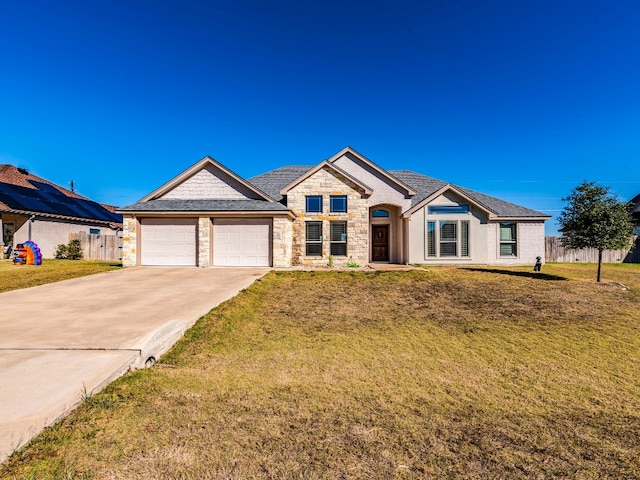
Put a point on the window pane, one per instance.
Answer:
(338, 203)
(464, 238)
(431, 239)
(507, 232)
(338, 238)
(338, 231)
(314, 231)
(339, 249)
(448, 209)
(314, 203)
(447, 249)
(507, 249)
(380, 213)
(448, 230)
(314, 250)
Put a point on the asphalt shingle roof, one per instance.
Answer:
(425, 186)
(205, 205)
(272, 182)
(275, 180)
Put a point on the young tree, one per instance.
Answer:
(594, 218)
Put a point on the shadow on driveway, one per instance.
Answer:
(537, 275)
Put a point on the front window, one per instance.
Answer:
(313, 236)
(431, 239)
(444, 209)
(314, 203)
(339, 238)
(448, 238)
(380, 213)
(338, 203)
(508, 239)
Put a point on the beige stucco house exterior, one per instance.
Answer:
(345, 209)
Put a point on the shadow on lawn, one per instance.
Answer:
(538, 275)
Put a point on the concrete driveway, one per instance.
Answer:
(61, 339)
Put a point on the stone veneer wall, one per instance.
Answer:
(282, 242)
(129, 239)
(204, 242)
(327, 182)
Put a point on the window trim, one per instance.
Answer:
(308, 198)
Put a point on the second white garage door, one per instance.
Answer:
(168, 241)
(242, 242)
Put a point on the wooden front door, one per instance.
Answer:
(380, 243)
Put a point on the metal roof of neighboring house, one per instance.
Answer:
(273, 181)
(22, 192)
(205, 205)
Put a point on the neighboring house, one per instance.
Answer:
(32, 208)
(346, 207)
(635, 212)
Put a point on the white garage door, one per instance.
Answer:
(168, 241)
(242, 242)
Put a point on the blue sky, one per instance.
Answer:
(522, 100)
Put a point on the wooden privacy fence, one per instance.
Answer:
(99, 247)
(555, 252)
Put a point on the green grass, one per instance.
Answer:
(14, 277)
(438, 373)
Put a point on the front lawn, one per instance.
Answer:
(436, 373)
(14, 277)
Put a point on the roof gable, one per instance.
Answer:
(207, 179)
(364, 162)
(326, 165)
(430, 189)
(445, 189)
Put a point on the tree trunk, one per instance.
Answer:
(599, 263)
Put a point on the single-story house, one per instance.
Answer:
(32, 208)
(635, 212)
(347, 208)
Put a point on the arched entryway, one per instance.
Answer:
(385, 234)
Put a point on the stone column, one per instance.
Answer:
(282, 241)
(129, 241)
(204, 241)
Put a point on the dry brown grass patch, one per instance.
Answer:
(448, 373)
